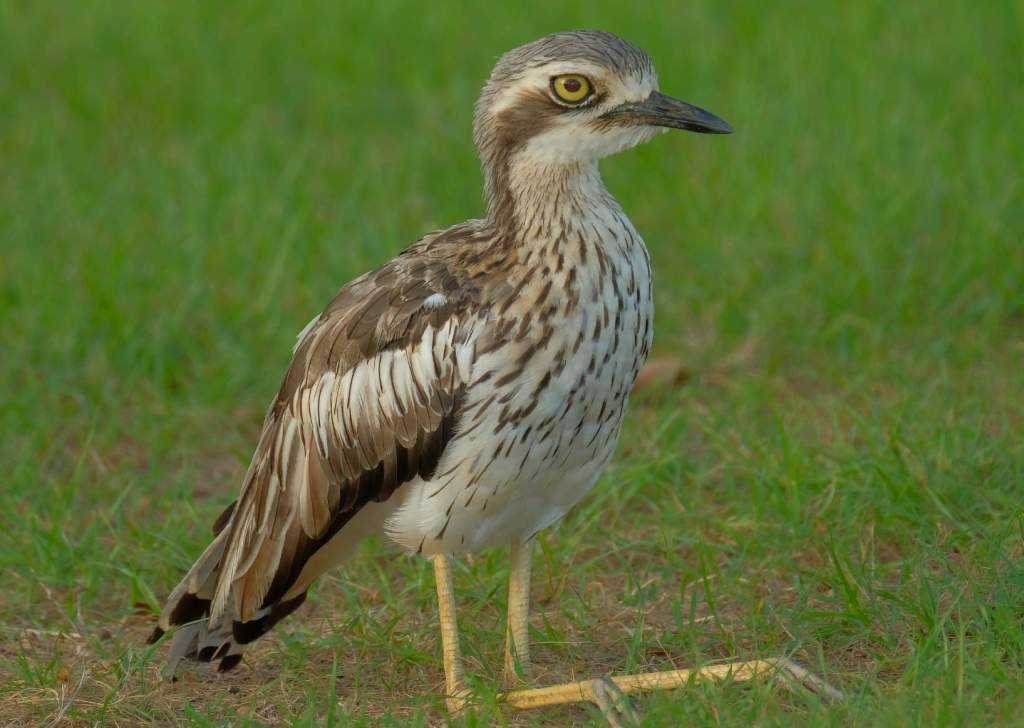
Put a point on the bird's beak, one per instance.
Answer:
(661, 110)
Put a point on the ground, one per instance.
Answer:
(830, 465)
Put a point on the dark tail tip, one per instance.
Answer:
(246, 632)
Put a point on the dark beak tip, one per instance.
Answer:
(706, 126)
(711, 124)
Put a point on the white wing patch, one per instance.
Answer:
(435, 300)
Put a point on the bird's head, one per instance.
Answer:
(572, 98)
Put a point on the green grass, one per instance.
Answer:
(838, 476)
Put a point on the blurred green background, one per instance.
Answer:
(834, 472)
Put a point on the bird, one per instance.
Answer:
(469, 391)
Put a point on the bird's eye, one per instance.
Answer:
(571, 88)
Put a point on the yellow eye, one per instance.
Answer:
(571, 88)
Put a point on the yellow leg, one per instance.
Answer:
(454, 676)
(607, 693)
(517, 637)
(602, 691)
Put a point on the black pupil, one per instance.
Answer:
(572, 85)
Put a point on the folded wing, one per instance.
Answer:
(369, 402)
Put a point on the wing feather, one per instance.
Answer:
(369, 402)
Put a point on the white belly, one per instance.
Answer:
(519, 493)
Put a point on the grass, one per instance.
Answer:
(836, 474)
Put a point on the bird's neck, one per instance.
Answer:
(527, 198)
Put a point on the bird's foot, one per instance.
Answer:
(609, 693)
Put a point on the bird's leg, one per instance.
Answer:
(607, 693)
(517, 637)
(454, 675)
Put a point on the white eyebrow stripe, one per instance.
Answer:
(632, 87)
(537, 77)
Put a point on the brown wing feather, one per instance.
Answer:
(368, 403)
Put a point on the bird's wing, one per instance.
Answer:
(369, 402)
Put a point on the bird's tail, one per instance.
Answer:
(197, 637)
